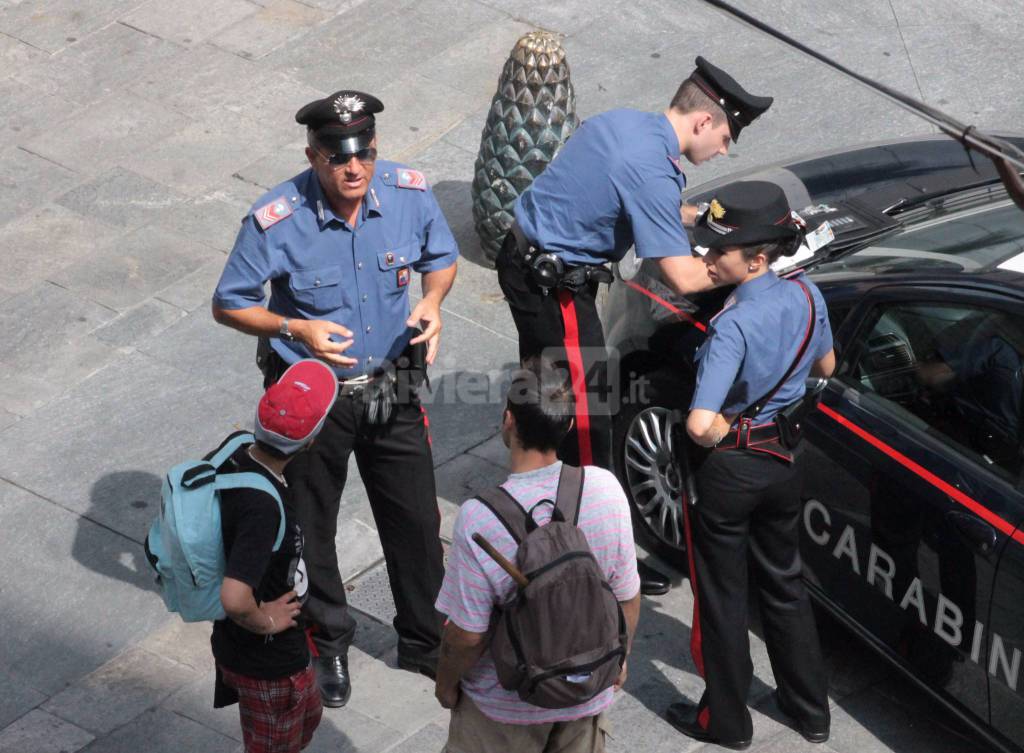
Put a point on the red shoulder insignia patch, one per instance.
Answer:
(273, 212)
(409, 178)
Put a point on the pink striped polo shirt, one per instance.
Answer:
(474, 583)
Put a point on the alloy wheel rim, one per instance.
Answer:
(654, 482)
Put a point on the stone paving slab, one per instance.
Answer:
(473, 64)
(25, 111)
(212, 218)
(59, 23)
(29, 180)
(108, 470)
(40, 732)
(17, 700)
(48, 313)
(74, 595)
(129, 270)
(431, 737)
(121, 198)
(163, 732)
(187, 22)
(271, 27)
(38, 377)
(139, 324)
(46, 240)
(119, 691)
(194, 701)
(98, 65)
(98, 136)
(213, 153)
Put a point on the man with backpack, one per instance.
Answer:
(262, 655)
(541, 591)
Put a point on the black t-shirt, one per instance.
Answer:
(250, 519)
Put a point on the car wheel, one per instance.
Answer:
(653, 483)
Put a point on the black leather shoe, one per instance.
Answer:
(652, 583)
(812, 733)
(333, 680)
(683, 716)
(424, 665)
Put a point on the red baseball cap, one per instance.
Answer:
(292, 411)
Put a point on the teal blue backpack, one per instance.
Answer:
(185, 544)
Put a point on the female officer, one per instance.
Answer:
(769, 336)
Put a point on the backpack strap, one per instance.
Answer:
(508, 512)
(205, 471)
(229, 446)
(253, 480)
(569, 497)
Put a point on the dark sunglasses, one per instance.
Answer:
(365, 155)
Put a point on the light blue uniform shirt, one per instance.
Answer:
(321, 268)
(615, 183)
(753, 341)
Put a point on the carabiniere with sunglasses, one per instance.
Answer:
(339, 245)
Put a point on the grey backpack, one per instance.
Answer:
(561, 638)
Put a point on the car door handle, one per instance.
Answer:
(979, 534)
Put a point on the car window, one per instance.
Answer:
(955, 371)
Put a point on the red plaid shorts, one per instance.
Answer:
(278, 716)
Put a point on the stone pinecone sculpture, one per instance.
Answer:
(531, 116)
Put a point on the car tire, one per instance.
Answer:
(650, 478)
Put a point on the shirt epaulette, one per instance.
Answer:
(406, 177)
(270, 214)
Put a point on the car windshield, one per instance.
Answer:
(974, 240)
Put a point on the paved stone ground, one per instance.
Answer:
(135, 135)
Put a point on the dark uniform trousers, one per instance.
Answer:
(746, 523)
(564, 327)
(396, 466)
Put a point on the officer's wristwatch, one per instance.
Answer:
(284, 332)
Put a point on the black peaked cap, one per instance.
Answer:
(344, 113)
(741, 107)
(746, 213)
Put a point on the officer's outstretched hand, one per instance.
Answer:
(315, 334)
(427, 316)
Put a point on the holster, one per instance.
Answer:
(790, 419)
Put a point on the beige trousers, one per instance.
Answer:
(472, 732)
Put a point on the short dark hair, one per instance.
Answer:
(271, 450)
(690, 98)
(541, 401)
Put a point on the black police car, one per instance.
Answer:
(913, 508)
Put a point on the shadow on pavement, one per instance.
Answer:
(131, 498)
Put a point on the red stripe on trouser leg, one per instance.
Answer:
(704, 717)
(426, 425)
(696, 650)
(577, 374)
(309, 642)
(430, 443)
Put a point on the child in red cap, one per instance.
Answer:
(262, 655)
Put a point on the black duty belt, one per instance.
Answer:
(745, 435)
(763, 438)
(550, 272)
